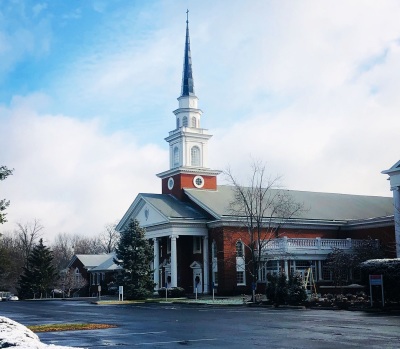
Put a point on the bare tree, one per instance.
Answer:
(70, 281)
(11, 262)
(109, 238)
(62, 250)
(28, 234)
(262, 207)
(85, 245)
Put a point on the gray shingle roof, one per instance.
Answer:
(171, 207)
(92, 260)
(107, 265)
(319, 206)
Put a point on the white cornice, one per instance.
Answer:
(193, 110)
(189, 170)
(188, 132)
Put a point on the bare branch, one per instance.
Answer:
(262, 207)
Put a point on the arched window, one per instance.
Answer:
(177, 123)
(195, 156)
(176, 157)
(239, 249)
(194, 124)
(77, 275)
(185, 121)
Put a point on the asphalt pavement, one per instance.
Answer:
(168, 325)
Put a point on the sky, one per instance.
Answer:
(87, 90)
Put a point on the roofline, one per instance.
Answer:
(189, 170)
(299, 223)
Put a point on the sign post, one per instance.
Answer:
(99, 291)
(121, 293)
(376, 280)
(166, 291)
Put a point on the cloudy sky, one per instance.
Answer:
(87, 90)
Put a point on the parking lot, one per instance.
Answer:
(171, 326)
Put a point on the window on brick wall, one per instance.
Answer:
(240, 277)
(240, 264)
(214, 263)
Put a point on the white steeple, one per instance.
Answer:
(188, 142)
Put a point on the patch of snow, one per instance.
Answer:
(17, 336)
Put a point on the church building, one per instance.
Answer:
(199, 243)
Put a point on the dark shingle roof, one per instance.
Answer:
(319, 206)
(171, 207)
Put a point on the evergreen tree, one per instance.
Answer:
(4, 173)
(135, 254)
(296, 290)
(39, 275)
(277, 288)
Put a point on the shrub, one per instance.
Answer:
(174, 292)
(296, 292)
(277, 288)
(390, 269)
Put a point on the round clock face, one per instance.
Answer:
(170, 183)
(198, 181)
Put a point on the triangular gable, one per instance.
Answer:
(395, 168)
(394, 175)
(195, 265)
(146, 214)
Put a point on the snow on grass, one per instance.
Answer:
(17, 336)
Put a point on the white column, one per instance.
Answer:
(396, 202)
(174, 262)
(206, 265)
(156, 264)
(286, 268)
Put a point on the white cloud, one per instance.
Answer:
(309, 87)
(68, 173)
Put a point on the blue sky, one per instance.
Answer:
(87, 90)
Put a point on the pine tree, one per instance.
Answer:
(135, 254)
(296, 290)
(39, 275)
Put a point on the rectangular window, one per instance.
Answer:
(268, 267)
(240, 271)
(326, 273)
(240, 277)
(196, 244)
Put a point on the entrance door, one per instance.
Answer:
(197, 280)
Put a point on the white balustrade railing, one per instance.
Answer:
(302, 244)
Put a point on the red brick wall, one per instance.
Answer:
(226, 238)
(183, 180)
(385, 235)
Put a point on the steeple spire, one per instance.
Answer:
(187, 76)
